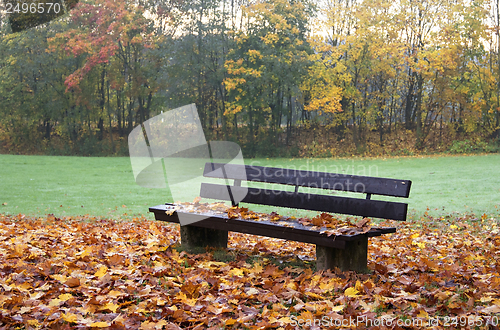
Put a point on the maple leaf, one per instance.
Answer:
(103, 270)
(70, 318)
(55, 302)
(337, 308)
(34, 323)
(147, 325)
(363, 222)
(100, 324)
(351, 293)
(230, 322)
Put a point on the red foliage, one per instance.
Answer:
(101, 31)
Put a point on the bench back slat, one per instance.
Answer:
(301, 178)
(321, 203)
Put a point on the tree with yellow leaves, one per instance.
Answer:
(266, 67)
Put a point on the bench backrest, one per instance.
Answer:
(365, 207)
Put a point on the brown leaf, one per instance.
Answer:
(72, 282)
(363, 222)
(116, 259)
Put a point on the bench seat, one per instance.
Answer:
(293, 231)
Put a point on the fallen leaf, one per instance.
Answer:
(72, 282)
(101, 272)
(100, 324)
(351, 292)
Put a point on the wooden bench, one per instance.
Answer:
(347, 252)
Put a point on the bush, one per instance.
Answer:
(402, 152)
(471, 147)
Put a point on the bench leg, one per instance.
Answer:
(353, 257)
(197, 239)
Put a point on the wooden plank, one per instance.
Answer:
(321, 203)
(265, 228)
(324, 180)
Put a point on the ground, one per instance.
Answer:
(79, 272)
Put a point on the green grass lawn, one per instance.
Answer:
(40, 185)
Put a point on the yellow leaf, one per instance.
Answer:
(351, 292)
(100, 324)
(337, 308)
(314, 295)
(85, 252)
(161, 302)
(453, 227)
(24, 287)
(34, 323)
(70, 318)
(419, 244)
(66, 296)
(160, 324)
(59, 277)
(486, 299)
(423, 314)
(112, 307)
(115, 293)
(101, 272)
(54, 302)
(236, 272)
(257, 268)
(211, 264)
(147, 325)
(285, 320)
(306, 315)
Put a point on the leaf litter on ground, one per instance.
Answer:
(82, 272)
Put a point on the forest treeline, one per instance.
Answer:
(276, 76)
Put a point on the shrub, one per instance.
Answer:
(470, 147)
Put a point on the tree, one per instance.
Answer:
(267, 65)
(31, 88)
(115, 43)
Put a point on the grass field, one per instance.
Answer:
(40, 185)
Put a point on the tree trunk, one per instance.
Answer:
(409, 104)
(418, 113)
(110, 124)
